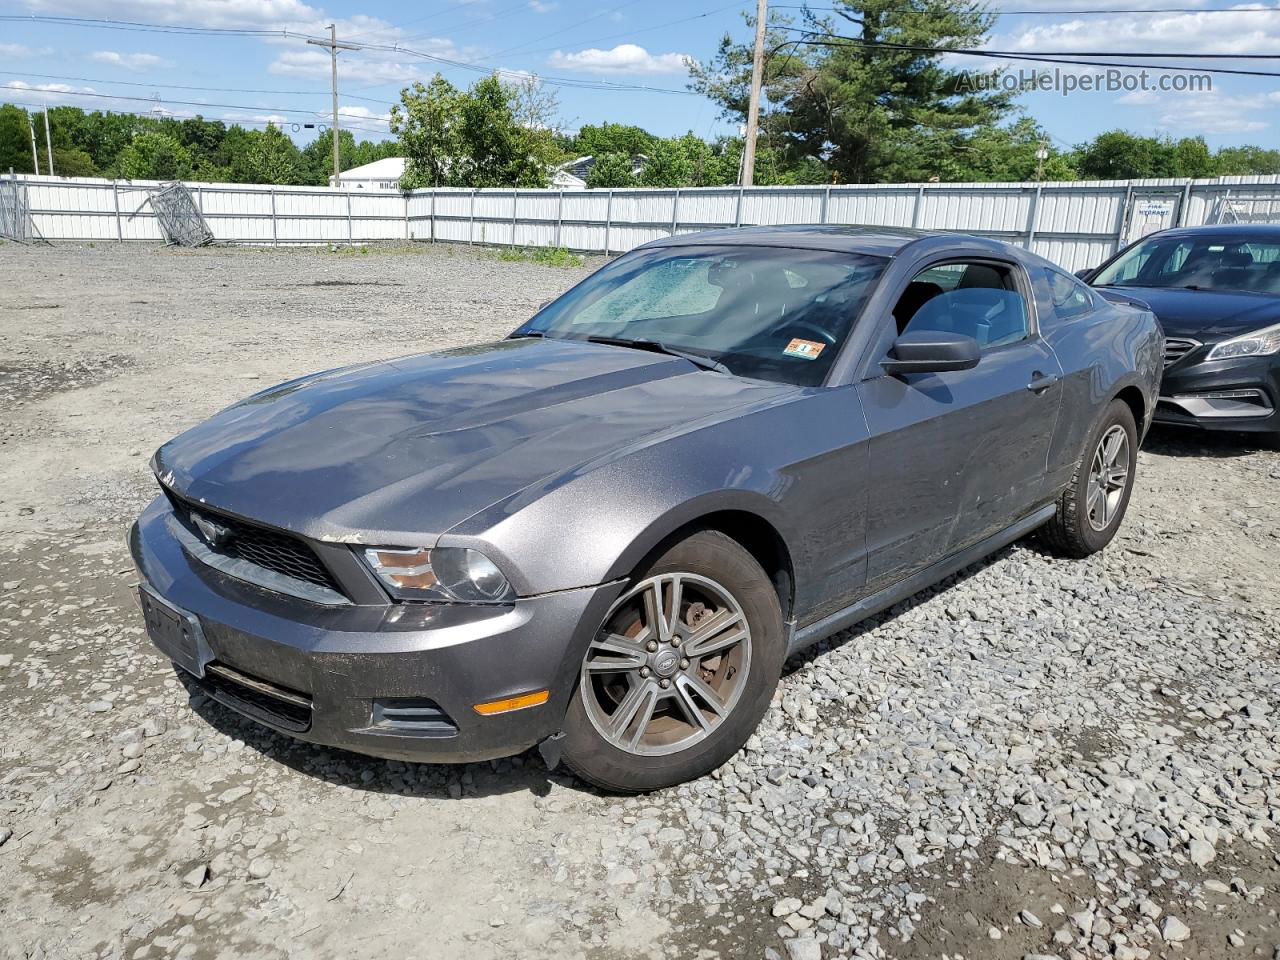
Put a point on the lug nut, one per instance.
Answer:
(675, 641)
(651, 646)
(684, 664)
(664, 684)
(644, 671)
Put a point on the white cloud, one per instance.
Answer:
(624, 58)
(1204, 113)
(543, 6)
(130, 61)
(16, 51)
(204, 13)
(1257, 30)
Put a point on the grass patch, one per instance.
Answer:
(374, 250)
(547, 256)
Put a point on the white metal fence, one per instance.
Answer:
(1076, 224)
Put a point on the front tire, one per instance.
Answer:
(681, 670)
(1092, 507)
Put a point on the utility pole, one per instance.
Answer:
(753, 107)
(334, 46)
(48, 140)
(1042, 154)
(35, 159)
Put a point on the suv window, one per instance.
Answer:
(1071, 298)
(976, 298)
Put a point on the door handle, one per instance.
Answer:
(1041, 382)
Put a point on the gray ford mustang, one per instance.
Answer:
(605, 533)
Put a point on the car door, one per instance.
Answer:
(957, 456)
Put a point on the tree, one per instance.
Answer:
(871, 107)
(471, 138)
(1008, 154)
(153, 156)
(15, 140)
(1120, 155)
(596, 141)
(270, 157)
(611, 170)
(1246, 161)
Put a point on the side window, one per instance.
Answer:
(976, 298)
(1071, 298)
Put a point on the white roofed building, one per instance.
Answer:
(382, 174)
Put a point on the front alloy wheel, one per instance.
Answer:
(680, 671)
(668, 666)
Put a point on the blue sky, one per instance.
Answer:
(634, 43)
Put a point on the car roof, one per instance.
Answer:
(1243, 231)
(841, 238)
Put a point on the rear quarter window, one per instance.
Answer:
(1071, 298)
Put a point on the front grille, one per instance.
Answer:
(258, 698)
(1175, 348)
(269, 549)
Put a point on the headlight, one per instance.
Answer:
(1260, 343)
(446, 573)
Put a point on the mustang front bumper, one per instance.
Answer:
(394, 680)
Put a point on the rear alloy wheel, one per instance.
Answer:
(680, 672)
(1094, 503)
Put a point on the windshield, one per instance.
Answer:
(1198, 263)
(763, 312)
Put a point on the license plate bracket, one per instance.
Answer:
(175, 632)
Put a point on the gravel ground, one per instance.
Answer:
(1037, 758)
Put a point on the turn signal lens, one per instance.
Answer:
(521, 702)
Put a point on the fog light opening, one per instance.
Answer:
(521, 702)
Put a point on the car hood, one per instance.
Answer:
(1203, 315)
(419, 444)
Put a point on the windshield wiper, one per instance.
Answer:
(655, 346)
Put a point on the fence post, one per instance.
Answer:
(406, 217)
(737, 213)
(515, 207)
(826, 202)
(1186, 202)
(1035, 212)
(275, 236)
(431, 223)
(1124, 216)
(115, 195)
(559, 218)
(675, 211)
(471, 222)
(915, 211)
(608, 222)
(351, 239)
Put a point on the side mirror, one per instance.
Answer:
(931, 351)
(1086, 274)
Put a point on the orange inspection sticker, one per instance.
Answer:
(804, 349)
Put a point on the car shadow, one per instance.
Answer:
(1172, 442)
(858, 630)
(525, 772)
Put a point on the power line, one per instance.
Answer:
(1069, 12)
(148, 115)
(556, 33)
(106, 23)
(836, 40)
(657, 26)
(180, 86)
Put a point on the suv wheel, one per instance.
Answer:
(1094, 503)
(681, 671)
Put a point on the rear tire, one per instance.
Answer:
(1093, 505)
(667, 695)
